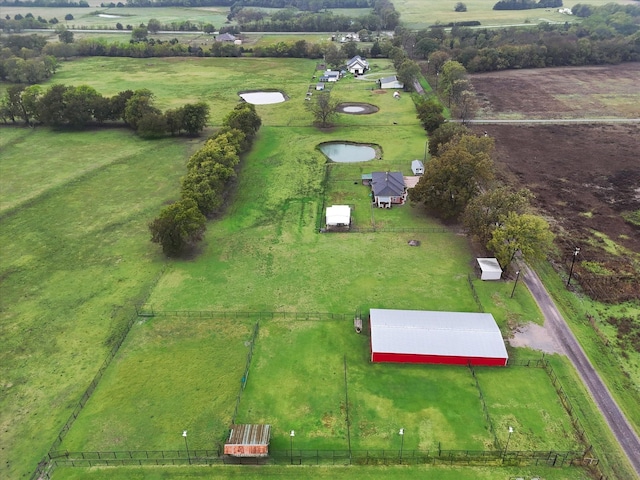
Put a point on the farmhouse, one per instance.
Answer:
(388, 188)
(248, 441)
(417, 167)
(489, 269)
(357, 65)
(450, 338)
(338, 217)
(390, 82)
(330, 76)
(225, 37)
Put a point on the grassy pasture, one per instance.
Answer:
(74, 252)
(423, 13)
(80, 247)
(525, 399)
(351, 473)
(173, 374)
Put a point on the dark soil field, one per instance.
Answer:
(586, 178)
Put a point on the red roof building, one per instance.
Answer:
(450, 338)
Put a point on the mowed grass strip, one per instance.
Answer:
(404, 472)
(73, 261)
(172, 374)
(524, 398)
(297, 382)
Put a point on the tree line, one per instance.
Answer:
(210, 172)
(44, 3)
(80, 106)
(526, 4)
(306, 5)
(459, 184)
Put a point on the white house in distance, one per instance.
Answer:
(330, 76)
(417, 167)
(357, 65)
(489, 269)
(338, 217)
(390, 82)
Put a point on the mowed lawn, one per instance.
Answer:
(297, 382)
(75, 256)
(173, 374)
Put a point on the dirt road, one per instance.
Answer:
(618, 423)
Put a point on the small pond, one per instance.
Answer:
(263, 98)
(353, 109)
(106, 15)
(348, 152)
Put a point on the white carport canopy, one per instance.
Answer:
(490, 268)
(339, 215)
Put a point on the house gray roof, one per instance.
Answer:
(389, 79)
(225, 37)
(357, 59)
(387, 184)
(421, 332)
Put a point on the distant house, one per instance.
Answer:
(330, 76)
(417, 167)
(225, 37)
(390, 82)
(357, 65)
(338, 217)
(388, 188)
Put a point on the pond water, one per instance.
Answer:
(106, 15)
(353, 109)
(348, 152)
(263, 98)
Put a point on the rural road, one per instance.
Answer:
(618, 423)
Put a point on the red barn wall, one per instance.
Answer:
(437, 359)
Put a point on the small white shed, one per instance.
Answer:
(489, 269)
(417, 167)
(338, 216)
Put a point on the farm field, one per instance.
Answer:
(85, 235)
(585, 178)
(74, 258)
(419, 14)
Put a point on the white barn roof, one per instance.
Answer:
(339, 215)
(450, 334)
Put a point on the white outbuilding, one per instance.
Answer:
(417, 167)
(338, 216)
(489, 269)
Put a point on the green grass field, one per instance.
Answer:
(174, 374)
(419, 14)
(351, 473)
(76, 256)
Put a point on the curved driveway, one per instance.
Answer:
(618, 423)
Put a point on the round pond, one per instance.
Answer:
(263, 98)
(348, 152)
(357, 108)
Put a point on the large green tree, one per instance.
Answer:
(452, 179)
(178, 227)
(139, 105)
(244, 118)
(430, 113)
(528, 234)
(444, 134)
(486, 212)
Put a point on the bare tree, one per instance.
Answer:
(323, 108)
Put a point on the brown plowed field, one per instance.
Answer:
(584, 176)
